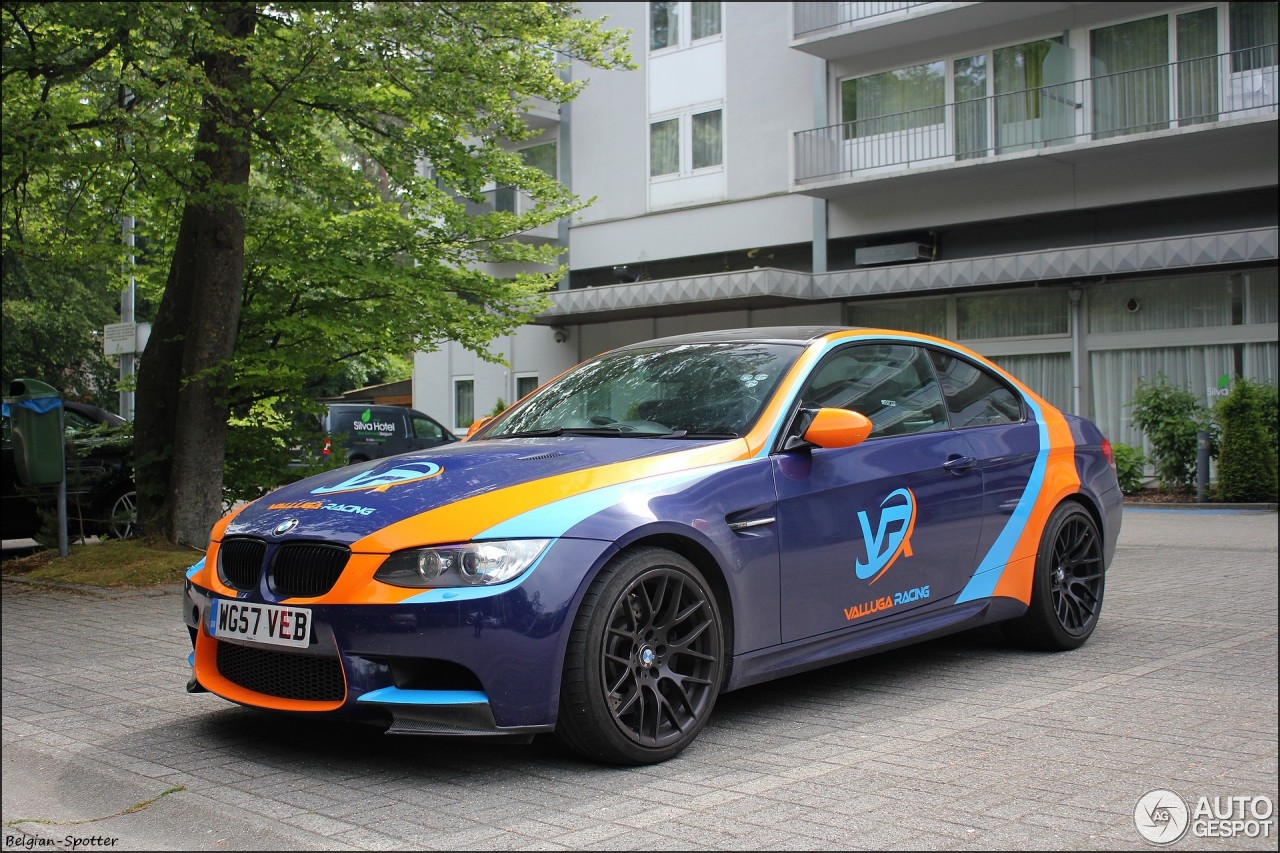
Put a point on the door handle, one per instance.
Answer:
(956, 464)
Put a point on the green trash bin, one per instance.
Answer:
(35, 409)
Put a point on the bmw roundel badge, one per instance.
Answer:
(285, 526)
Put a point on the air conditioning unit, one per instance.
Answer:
(894, 253)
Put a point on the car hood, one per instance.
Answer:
(454, 492)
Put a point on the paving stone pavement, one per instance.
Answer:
(961, 743)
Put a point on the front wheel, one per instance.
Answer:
(645, 661)
(1066, 592)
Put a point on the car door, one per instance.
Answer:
(889, 525)
(1004, 440)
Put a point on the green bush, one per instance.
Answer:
(1130, 465)
(1170, 417)
(1247, 462)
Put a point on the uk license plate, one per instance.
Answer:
(260, 623)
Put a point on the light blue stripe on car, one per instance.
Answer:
(987, 575)
(197, 567)
(397, 696)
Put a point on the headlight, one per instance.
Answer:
(472, 564)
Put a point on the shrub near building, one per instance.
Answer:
(1171, 419)
(1247, 454)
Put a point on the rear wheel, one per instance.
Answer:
(1066, 592)
(645, 661)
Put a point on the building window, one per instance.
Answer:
(664, 25)
(1029, 313)
(1253, 36)
(706, 20)
(542, 157)
(1130, 77)
(686, 143)
(526, 385)
(708, 145)
(664, 147)
(673, 25)
(927, 315)
(893, 101)
(464, 403)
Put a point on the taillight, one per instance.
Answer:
(1109, 454)
(329, 441)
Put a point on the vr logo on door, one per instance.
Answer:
(892, 537)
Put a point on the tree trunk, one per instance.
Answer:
(180, 429)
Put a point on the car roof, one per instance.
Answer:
(799, 335)
(96, 413)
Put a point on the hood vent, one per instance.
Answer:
(552, 455)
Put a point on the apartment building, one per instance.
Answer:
(1083, 192)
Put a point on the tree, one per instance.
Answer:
(1247, 459)
(276, 155)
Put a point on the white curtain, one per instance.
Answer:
(1115, 374)
(1260, 296)
(1186, 302)
(664, 147)
(1019, 314)
(706, 20)
(928, 316)
(1131, 77)
(707, 141)
(1049, 375)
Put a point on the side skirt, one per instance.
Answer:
(837, 647)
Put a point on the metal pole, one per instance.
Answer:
(1202, 466)
(62, 484)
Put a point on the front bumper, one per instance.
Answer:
(469, 661)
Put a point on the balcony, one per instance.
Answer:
(813, 18)
(864, 34)
(1161, 101)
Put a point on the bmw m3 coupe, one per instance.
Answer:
(663, 523)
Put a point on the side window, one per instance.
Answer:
(891, 384)
(975, 397)
(426, 428)
(74, 422)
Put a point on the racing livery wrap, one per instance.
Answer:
(663, 523)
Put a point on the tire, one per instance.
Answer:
(119, 513)
(1066, 592)
(645, 661)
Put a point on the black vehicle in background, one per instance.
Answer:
(101, 497)
(358, 432)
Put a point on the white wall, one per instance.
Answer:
(532, 349)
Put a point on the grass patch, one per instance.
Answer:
(111, 563)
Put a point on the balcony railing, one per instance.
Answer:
(1164, 97)
(811, 17)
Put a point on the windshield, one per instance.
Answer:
(682, 391)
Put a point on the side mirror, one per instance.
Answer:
(476, 425)
(837, 428)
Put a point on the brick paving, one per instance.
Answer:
(962, 743)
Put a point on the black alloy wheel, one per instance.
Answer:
(1075, 581)
(645, 661)
(1066, 592)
